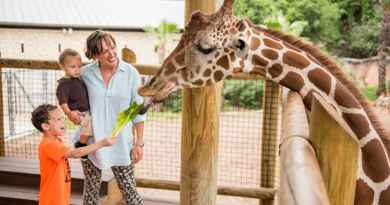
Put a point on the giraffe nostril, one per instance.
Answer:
(151, 81)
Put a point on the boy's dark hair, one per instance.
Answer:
(94, 43)
(41, 115)
(65, 53)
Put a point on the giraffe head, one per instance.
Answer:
(205, 54)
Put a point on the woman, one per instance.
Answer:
(112, 86)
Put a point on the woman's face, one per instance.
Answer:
(108, 57)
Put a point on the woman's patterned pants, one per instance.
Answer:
(124, 176)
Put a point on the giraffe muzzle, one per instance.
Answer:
(146, 91)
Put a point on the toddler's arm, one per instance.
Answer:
(74, 115)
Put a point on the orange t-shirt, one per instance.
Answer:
(55, 172)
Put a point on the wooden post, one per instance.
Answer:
(2, 133)
(199, 142)
(269, 141)
(337, 154)
(128, 55)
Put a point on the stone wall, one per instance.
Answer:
(365, 70)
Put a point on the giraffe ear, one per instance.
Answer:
(228, 6)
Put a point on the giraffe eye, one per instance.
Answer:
(204, 50)
(240, 44)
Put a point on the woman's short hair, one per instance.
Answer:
(94, 43)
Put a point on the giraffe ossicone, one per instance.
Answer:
(215, 46)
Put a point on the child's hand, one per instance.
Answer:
(74, 116)
(108, 141)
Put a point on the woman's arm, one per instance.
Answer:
(137, 151)
(139, 134)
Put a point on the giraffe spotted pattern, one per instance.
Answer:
(220, 44)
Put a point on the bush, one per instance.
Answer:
(243, 94)
(362, 41)
(173, 103)
(369, 92)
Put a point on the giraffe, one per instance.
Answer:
(220, 44)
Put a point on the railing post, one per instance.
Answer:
(270, 135)
(336, 152)
(10, 103)
(128, 55)
(200, 130)
(2, 133)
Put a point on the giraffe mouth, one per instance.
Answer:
(157, 95)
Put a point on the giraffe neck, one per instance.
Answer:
(298, 70)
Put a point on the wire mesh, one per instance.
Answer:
(239, 140)
(23, 90)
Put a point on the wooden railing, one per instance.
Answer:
(143, 69)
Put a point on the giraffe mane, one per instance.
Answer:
(333, 68)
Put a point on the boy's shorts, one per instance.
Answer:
(86, 124)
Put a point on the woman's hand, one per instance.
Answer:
(137, 153)
(74, 116)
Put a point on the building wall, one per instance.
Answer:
(44, 43)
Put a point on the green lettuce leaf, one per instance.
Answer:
(124, 117)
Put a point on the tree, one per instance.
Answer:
(270, 14)
(278, 21)
(348, 28)
(384, 48)
(163, 33)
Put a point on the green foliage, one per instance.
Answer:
(369, 92)
(173, 103)
(255, 10)
(243, 94)
(124, 117)
(362, 41)
(347, 28)
(278, 21)
(162, 33)
(360, 23)
(322, 17)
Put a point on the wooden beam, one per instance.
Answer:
(144, 69)
(258, 193)
(337, 154)
(200, 130)
(29, 64)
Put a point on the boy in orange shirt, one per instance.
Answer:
(54, 154)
